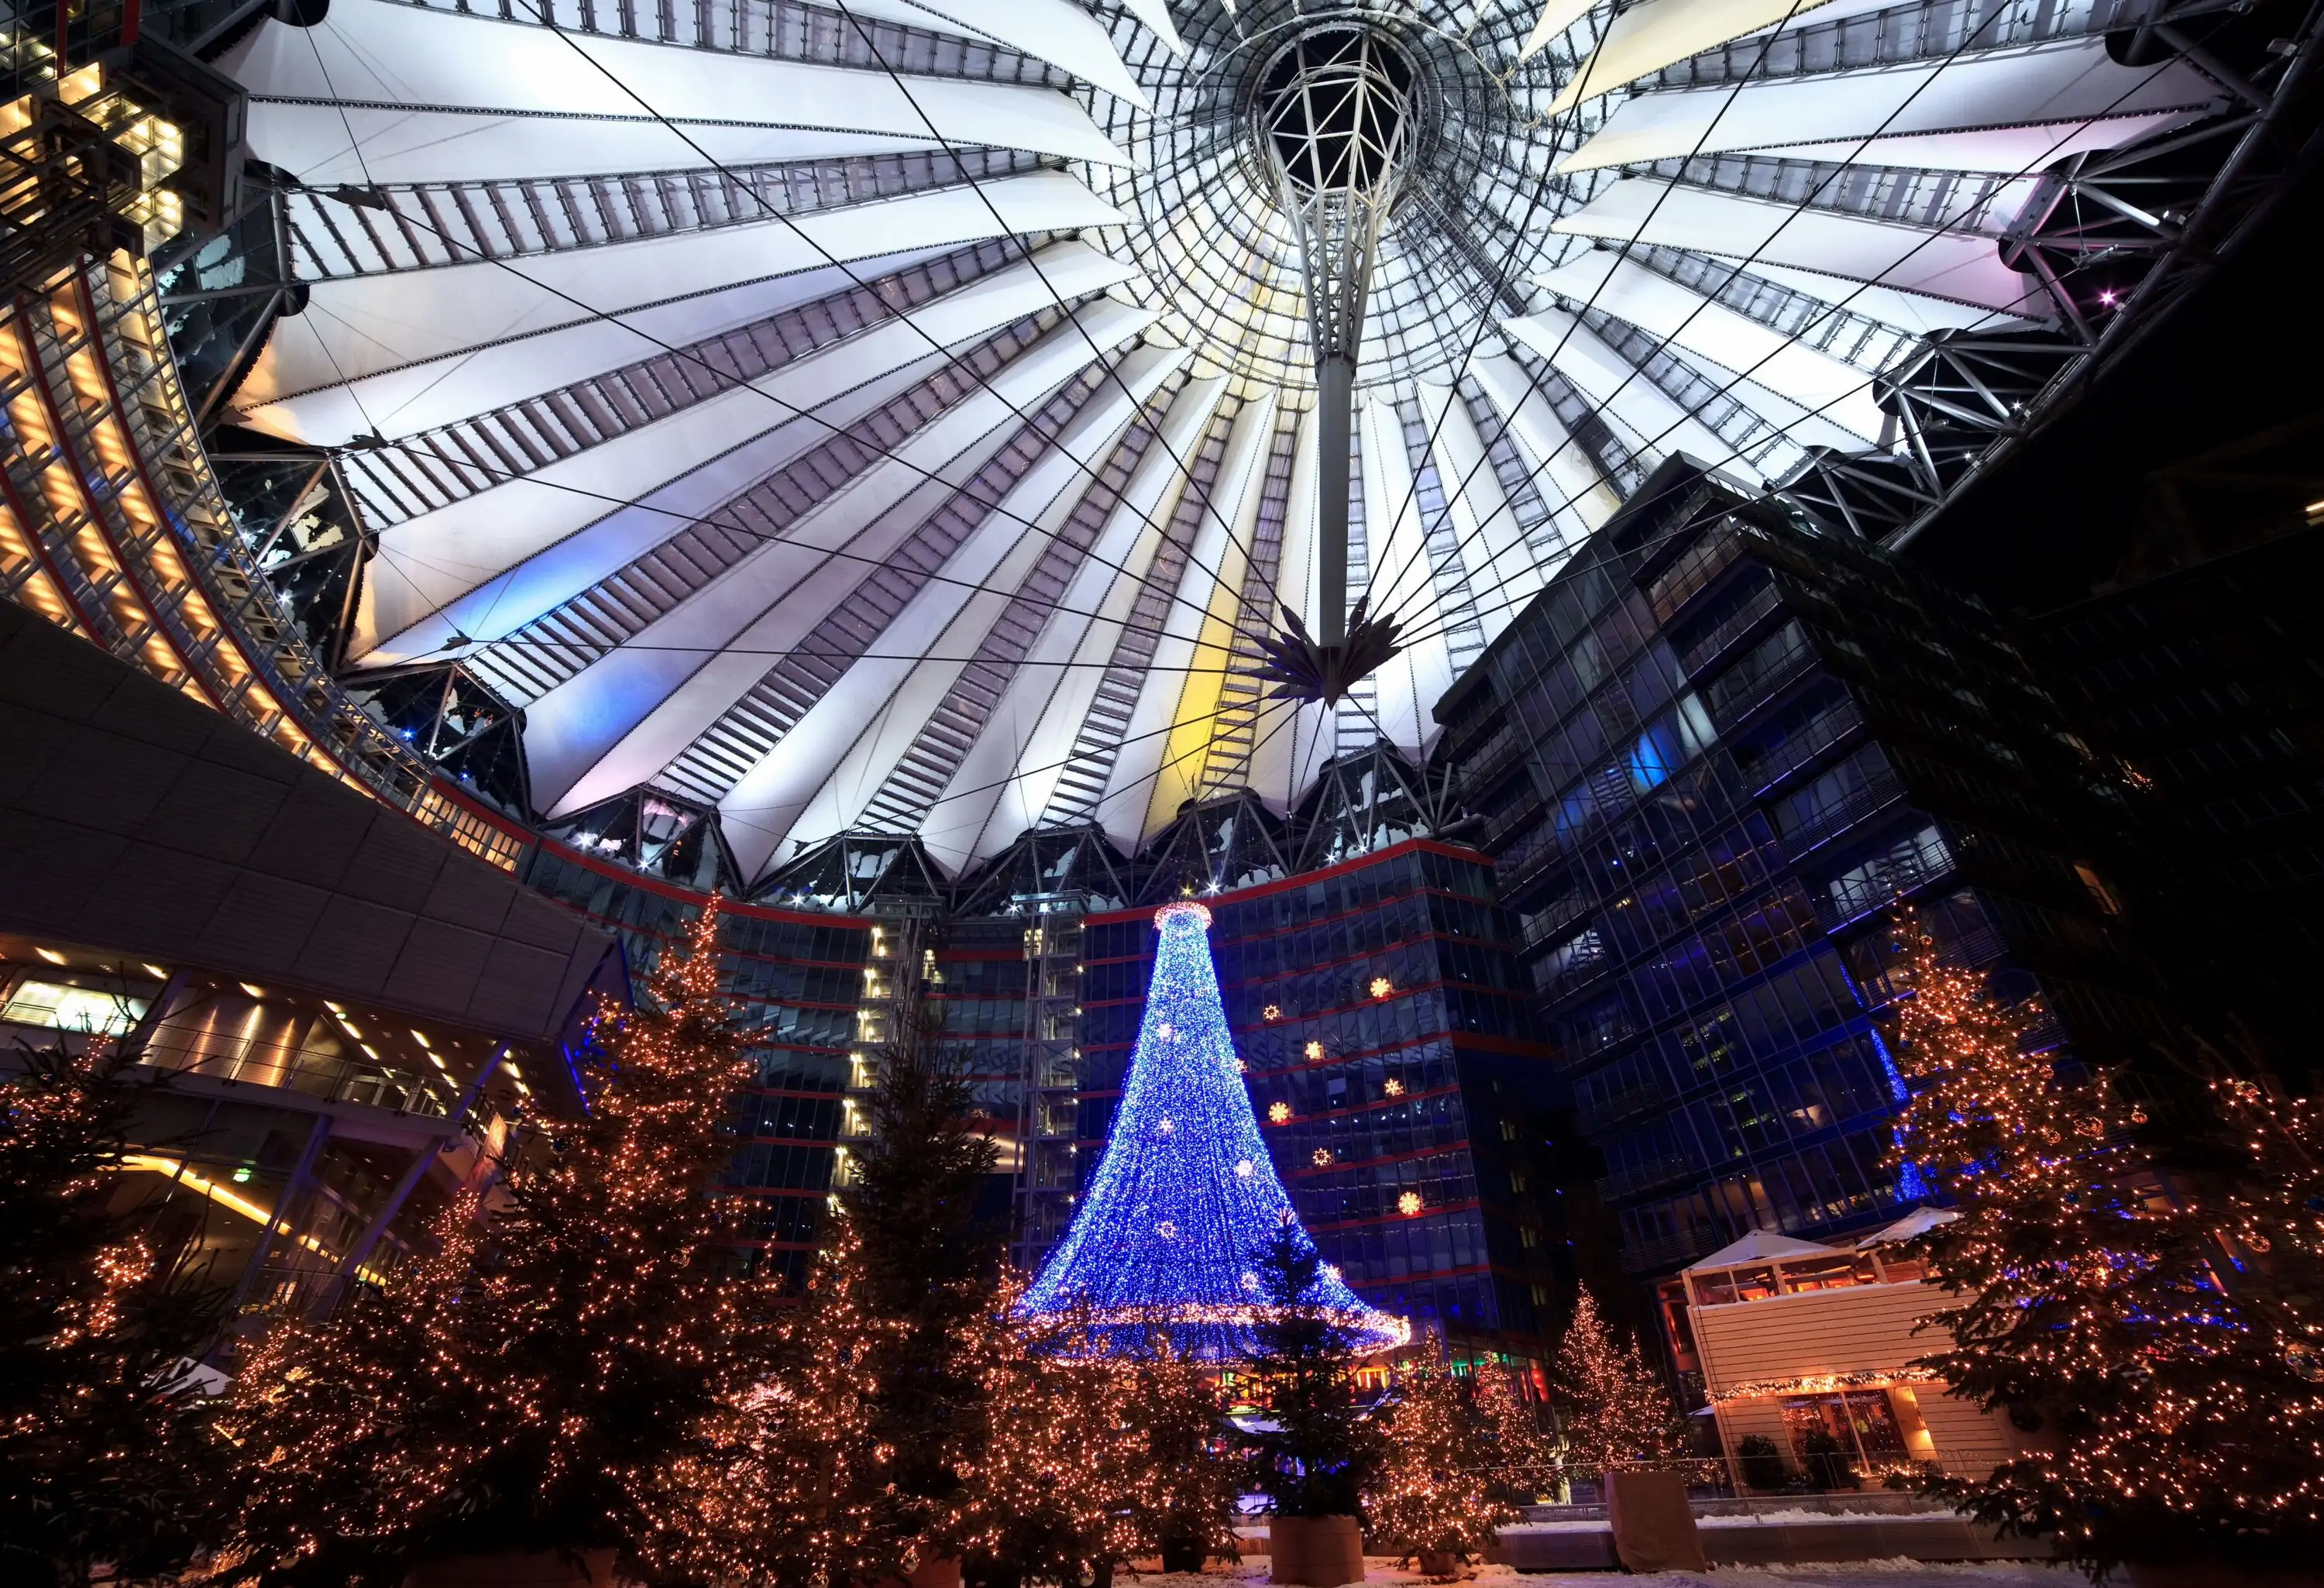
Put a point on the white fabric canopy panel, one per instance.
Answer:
(2056, 99)
(900, 419)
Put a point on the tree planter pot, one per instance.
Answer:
(1315, 1552)
(943, 1572)
(1441, 1563)
(1185, 1554)
(591, 1568)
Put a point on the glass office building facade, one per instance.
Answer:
(2204, 681)
(1708, 758)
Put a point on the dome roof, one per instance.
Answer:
(899, 417)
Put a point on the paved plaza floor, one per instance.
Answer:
(1875, 1574)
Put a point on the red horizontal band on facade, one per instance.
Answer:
(1318, 922)
(1484, 1040)
(1313, 1170)
(1353, 1108)
(1302, 879)
(1469, 1205)
(656, 885)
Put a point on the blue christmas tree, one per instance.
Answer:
(1169, 1228)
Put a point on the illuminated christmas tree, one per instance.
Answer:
(1621, 1414)
(577, 1374)
(2155, 1336)
(1435, 1492)
(105, 1443)
(1184, 1196)
(1524, 1453)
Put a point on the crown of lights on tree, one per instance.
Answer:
(1185, 1195)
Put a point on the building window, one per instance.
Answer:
(2099, 892)
(1854, 1430)
(60, 1008)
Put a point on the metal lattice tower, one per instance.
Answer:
(1335, 116)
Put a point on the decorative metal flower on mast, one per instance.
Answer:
(1334, 119)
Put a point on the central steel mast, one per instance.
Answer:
(1334, 117)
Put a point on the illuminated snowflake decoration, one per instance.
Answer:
(1393, 1088)
(1382, 986)
(1409, 1203)
(1320, 1157)
(1277, 1112)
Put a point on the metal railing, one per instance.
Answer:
(1875, 794)
(328, 1077)
(1738, 624)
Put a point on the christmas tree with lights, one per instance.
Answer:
(581, 1372)
(1184, 1196)
(1622, 1414)
(2157, 1337)
(1435, 1495)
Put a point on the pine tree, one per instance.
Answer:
(1434, 1491)
(104, 1434)
(1184, 1483)
(1524, 1453)
(571, 1377)
(1322, 1447)
(920, 1261)
(2162, 1345)
(808, 1491)
(1048, 1496)
(1621, 1414)
(870, 1449)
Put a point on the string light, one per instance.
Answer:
(591, 1345)
(2169, 1332)
(1171, 1217)
(1436, 1490)
(1826, 1383)
(1620, 1413)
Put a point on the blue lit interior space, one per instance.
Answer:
(1391, 670)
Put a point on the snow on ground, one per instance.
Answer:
(1868, 1573)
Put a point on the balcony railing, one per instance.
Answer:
(1554, 916)
(1645, 1177)
(1702, 563)
(1755, 690)
(326, 1077)
(1627, 1103)
(1873, 796)
(1738, 624)
(1829, 727)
